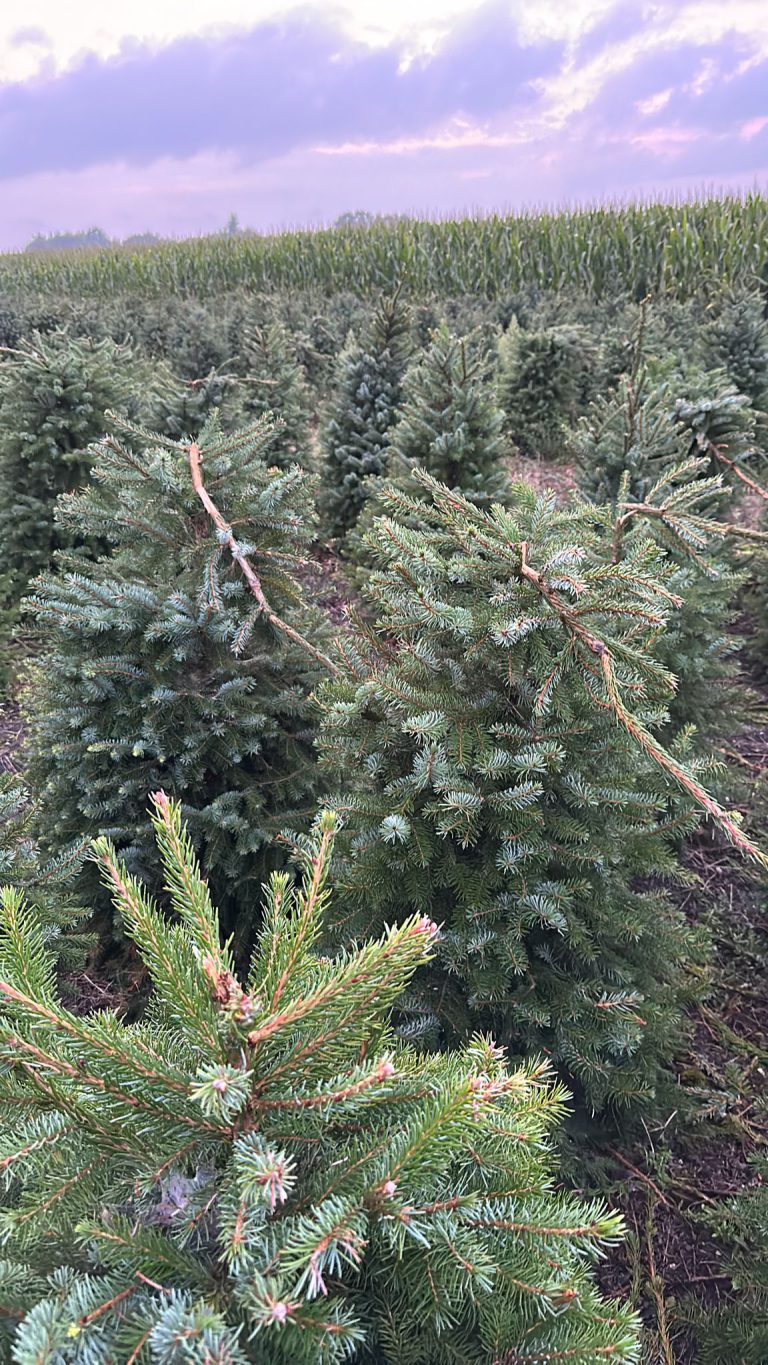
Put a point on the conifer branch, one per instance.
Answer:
(634, 728)
(249, 574)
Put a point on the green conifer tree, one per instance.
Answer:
(542, 384)
(493, 751)
(739, 337)
(449, 424)
(55, 392)
(274, 382)
(180, 408)
(358, 431)
(634, 457)
(260, 1172)
(179, 656)
(46, 885)
(738, 1331)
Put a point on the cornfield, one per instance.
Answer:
(677, 248)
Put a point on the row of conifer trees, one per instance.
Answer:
(305, 1146)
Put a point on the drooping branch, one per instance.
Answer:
(249, 574)
(630, 723)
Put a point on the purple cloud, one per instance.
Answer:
(292, 122)
(260, 94)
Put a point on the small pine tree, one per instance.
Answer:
(542, 384)
(180, 408)
(739, 339)
(46, 886)
(723, 428)
(738, 1331)
(634, 457)
(274, 382)
(178, 657)
(259, 1172)
(493, 752)
(363, 411)
(55, 392)
(449, 424)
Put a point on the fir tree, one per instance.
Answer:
(46, 885)
(449, 424)
(738, 1331)
(260, 1172)
(54, 395)
(358, 431)
(542, 384)
(739, 338)
(493, 750)
(179, 657)
(180, 408)
(634, 457)
(723, 428)
(274, 382)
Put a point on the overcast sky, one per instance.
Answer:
(168, 115)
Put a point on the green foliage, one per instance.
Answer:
(55, 392)
(739, 338)
(178, 658)
(261, 1172)
(492, 745)
(358, 431)
(669, 248)
(723, 428)
(449, 423)
(46, 885)
(739, 1331)
(634, 457)
(274, 383)
(542, 384)
(180, 408)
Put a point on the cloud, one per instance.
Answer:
(261, 93)
(294, 121)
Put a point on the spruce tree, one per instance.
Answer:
(738, 1330)
(493, 749)
(449, 424)
(634, 457)
(180, 408)
(358, 431)
(55, 392)
(542, 384)
(259, 1171)
(45, 884)
(274, 382)
(739, 338)
(179, 657)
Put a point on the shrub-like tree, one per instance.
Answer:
(46, 885)
(358, 431)
(496, 765)
(55, 392)
(634, 457)
(181, 657)
(449, 424)
(739, 337)
(738, 1331)
(180, 408)
(259, 1172)
(274, 382)
(542, 384)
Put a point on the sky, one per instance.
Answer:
(168, 115)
